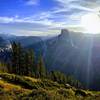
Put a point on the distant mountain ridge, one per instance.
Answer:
(72, 53)
(77, 54)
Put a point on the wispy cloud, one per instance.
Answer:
(31, 2)
(66, 14)
(74, 9)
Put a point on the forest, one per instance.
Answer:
(25, 63)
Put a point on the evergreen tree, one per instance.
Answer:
(41, 70)
(14, 58)
(17, 58)
(30, 62)
(23, 62)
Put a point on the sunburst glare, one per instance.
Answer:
(91, 23)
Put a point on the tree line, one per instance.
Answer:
(24, 62)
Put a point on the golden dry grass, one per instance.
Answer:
(8, 86)
(32, 79)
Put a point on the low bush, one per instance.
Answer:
(80, 93)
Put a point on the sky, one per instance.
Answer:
(43, 17)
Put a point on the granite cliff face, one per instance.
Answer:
(72, 53)
(76, 54)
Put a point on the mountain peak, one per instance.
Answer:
(64, 33)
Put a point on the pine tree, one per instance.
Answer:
(22, 63)
(17, 60)
(30, 60)
(41, 70)
(14, 58)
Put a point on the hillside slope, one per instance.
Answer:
(72, 53)
(14, 87)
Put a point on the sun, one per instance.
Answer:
(91, 23)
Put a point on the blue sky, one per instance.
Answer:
(43, 17)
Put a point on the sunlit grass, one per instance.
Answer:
(8, 86)
(32, 79)
(44, 89)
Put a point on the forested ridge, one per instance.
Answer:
(25, 77)
(26, 63)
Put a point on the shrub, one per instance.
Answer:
(80, 93)
(66, 93)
